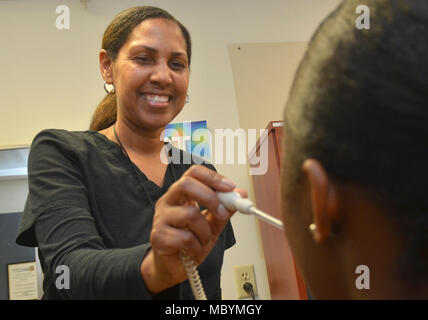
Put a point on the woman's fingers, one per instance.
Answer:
(216, 225)
(172, 240)
(178, 223)
(187, 217)
(197, 184)
(210, 178)
(242, 192)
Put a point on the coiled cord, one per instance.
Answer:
(232, 201)
(193, 275)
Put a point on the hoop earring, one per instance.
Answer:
(105, 88)
(333, 232)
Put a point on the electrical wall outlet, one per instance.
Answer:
(244, 274)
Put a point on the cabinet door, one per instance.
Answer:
(284, 279)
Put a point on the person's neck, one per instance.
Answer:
(391, 289)
(144, 142)
(373, 242)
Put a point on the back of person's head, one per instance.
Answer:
(114, 38)
(359, 105)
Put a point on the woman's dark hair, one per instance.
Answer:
(115, 36)
(359, 104)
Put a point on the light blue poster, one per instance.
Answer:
(191, 136)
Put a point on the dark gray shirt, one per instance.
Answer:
(87, 210)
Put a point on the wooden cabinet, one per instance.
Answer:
(285, 281)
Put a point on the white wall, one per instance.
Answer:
(50, 78)
(13, 194)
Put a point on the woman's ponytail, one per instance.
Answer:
(105, 114)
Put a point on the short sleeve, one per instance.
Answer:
(54, 180)
(57, 218)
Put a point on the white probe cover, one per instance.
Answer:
(234, 201)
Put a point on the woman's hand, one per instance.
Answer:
(178, 224)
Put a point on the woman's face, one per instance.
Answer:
(151, 74)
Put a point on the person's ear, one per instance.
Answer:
(324, 200)
(106, 66)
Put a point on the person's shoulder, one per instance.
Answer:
(65, 136)
(63, 139)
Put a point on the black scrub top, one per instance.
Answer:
(87, 210)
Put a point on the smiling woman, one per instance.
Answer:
(117, 34)
(101, 202)
(150, 75)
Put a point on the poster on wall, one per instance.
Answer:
(191, 136)
(22, 281)
(11, 257)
